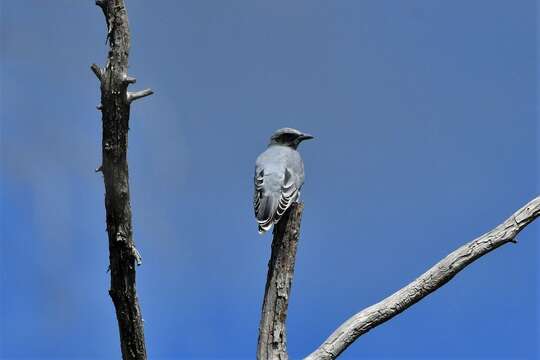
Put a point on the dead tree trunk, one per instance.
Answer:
(272, 343)
(272, 339)
(115, 107)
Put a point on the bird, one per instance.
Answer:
(279, 176)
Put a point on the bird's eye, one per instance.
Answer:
(288, 137)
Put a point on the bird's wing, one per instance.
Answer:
(289, 193)
(260, 208)
(271, 202)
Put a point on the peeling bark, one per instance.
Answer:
(427, 283)
(272, 344)
(115, 108)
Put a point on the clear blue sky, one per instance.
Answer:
(425, 114)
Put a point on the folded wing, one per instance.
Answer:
(274, 194)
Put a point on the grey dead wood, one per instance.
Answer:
(427, 283)
(115, 109)
(272, 342)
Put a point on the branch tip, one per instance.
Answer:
(97, 71)
(132, 96)
(129, 79)
(99, 169)
(136, 255)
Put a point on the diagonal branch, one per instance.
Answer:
(427, 283)
(97, 71)
(272, 342)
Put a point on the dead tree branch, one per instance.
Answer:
(97, 71)
(427, 283)
(272, 342)
(115, 108)
(132, 96)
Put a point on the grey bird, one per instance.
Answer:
(279, 176)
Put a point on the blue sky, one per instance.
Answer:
(425, 114)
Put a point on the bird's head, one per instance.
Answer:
(289, 137)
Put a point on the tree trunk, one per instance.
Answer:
(272, 342)
(115, 107)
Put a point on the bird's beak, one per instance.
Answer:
(306, 137)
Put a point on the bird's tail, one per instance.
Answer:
(261, 230)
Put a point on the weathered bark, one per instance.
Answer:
(427, 283)
(115, 107)
(272, 342)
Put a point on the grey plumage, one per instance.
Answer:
(279, 176)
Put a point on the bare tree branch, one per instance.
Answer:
(272, 342)
(115, 108)
(97, 71)
(427, 283)
(129, 79)
(132, 96)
